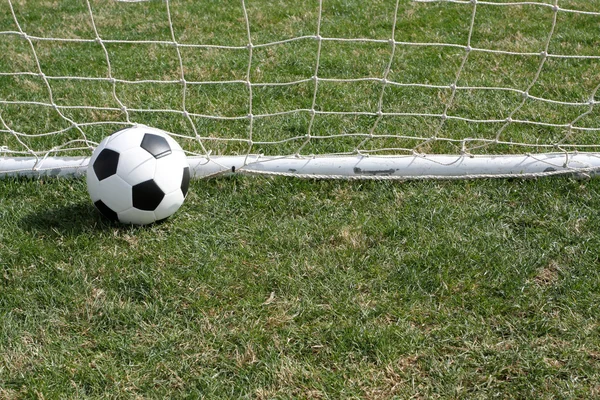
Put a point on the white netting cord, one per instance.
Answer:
(41, 74)
(543, 58)
(110, 77)
(384, 80)
(453, 86)
(248, 82)
(315, 78)
(186, 114)
(399, 142)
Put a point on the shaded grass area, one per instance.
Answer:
(265, 288)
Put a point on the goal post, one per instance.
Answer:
(345, 167)
(385, 89)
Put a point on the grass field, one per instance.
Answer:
(279, 288)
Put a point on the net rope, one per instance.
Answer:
(366, 139)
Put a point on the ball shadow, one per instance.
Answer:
(72, 219)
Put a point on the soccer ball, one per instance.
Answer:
(138, 175)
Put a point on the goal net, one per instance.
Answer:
(380, 89)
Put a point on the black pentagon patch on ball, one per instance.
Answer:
(156, 145)
(106, 211)
(185, 181)
(106, 164)
(147, 195)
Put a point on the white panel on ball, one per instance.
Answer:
(116, 193)
(169, 172)
(169, 204)
(125, 139)
(137, 217)
(93, 187)
(136, 165)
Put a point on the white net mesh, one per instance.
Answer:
(294, 79)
